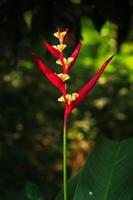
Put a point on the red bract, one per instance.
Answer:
(52, 77)
(86, 89)
(57, 54)
(53, 51)
(74, 56)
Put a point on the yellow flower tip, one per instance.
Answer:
(70, 98)
(67, 61)
(63, 77)
(59, 62)
(60, 36)
(60, 47)
(56, 35)
(73, 97)
(61, 99)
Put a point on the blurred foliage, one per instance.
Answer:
(24, 23)
(31, 119)
(32, 192)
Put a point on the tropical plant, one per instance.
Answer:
(59, 81)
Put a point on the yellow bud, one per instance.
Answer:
(61, 99)
(67, 61)
(60, 36)
(64, 77)
(57, 34)
(60, 47)
(70, 98)
(74, 96)
(59, 62)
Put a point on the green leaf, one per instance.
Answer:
(32, 192)
(107, 174)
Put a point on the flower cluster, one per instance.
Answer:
(59, 80)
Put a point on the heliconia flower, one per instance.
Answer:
(58, 80)
(83, 92)
(71, 101)
(51, 76)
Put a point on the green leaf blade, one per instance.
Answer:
(108, 172)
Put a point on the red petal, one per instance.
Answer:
(52, 50)
(53, 78)
(85, 90)
(74, 55)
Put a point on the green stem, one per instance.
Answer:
(65, 157)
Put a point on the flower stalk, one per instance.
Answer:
(65, 157)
